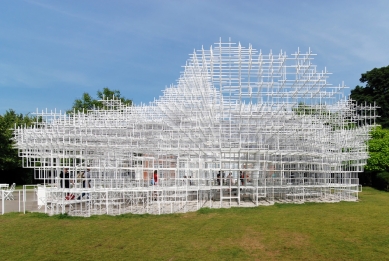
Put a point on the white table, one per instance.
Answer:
(4, 186)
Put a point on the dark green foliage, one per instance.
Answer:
(63, 216)
(87, 102)
(10, 164)
(378, 150)
(305, 109)
(84, 104)
(319, 110)
(382, 180)
(8, 155)
(377, 168)
(110, 94)
(376, 90)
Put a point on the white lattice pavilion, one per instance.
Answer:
(273, 117)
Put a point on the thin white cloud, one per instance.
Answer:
(62, 10)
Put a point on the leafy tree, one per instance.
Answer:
(84, 104)
(319, 110)
(377, 168)
(305, 109)
(87, 102)
(382, 180)
(378, 150)
(111, 94)
(10, 164)
(375, 90)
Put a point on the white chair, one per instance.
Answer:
(8, 192)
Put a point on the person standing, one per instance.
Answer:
(218, 178)
(65, 182)
(229, 179)
(154, 181)
(154, 178)
(65, 178)
(87, 180)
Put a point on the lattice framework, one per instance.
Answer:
(274, 117)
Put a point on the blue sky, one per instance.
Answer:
(53, 51)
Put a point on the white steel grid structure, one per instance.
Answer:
(272, 118)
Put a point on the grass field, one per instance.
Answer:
(311, 231)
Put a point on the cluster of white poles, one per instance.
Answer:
(240, 127)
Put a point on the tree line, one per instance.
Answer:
(374, 88)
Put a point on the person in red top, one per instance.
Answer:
(155, 178)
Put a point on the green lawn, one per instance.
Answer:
(332, 231)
